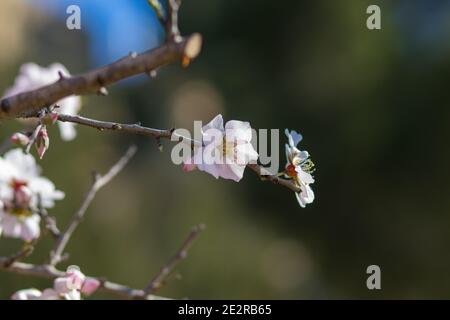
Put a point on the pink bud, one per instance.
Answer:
(90, 285)
(42, 142)
(20, 139)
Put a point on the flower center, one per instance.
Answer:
(227, 148)
(19, 205)
(308, 166)
(18, 184)
(21, 212)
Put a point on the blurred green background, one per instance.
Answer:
(373, 107)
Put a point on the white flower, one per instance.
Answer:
(32, 76)
(68, 287)
(226, 150)
(299, 167)
(21, 185)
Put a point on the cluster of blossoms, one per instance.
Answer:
(22, 189)
(299, 168)
(226, 150)
(69, 287)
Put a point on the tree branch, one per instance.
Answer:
(157, 133)
(50, 272)
(99, 182)
(181, 254)
(28, 103)
(266, 175)
(50, 222)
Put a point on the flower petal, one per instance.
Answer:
(216, 123)
(27, 294)
(90, 285)
(30, 228)
(238, 130)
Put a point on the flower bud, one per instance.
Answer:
(20, 139)
(49, 119)
(42, 142)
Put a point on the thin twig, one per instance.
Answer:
(181, 254)
(50, 222)
(50, 272)
(31, 102)
(99, 182)
(105, 125)
(264, 174)
(26, 250)
(159, 10)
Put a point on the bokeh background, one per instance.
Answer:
(373, 107)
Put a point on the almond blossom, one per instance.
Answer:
(21, 186)
(299, 167)
(32, 76)
(69, 287)
(226, 151)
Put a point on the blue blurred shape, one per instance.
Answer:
(115, 27)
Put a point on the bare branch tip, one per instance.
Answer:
(193, 46)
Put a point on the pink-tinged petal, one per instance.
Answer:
(90, 285)
(303, 176)
(23, 196)
(188, 167)
(216, 123)
(233, 172)
(212, 169)
(238, 130)
(42, 142)
(50, 294)
(60, 285)
(72, 295)
(20, 139)
(189, 164)
(27, 294)
(75, 278)
(12, 228)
